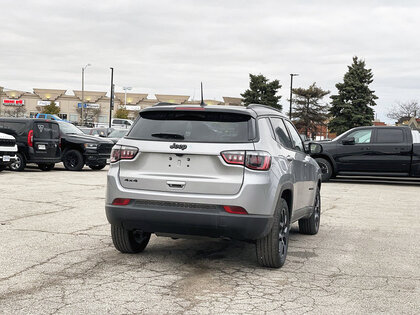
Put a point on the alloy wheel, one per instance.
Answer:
(283, 232)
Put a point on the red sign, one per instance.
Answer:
(13, 102)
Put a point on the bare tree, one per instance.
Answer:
(406, 109)
(18, 111)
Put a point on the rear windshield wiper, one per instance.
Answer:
(168, 136)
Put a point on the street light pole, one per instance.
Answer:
(125, 88)
(291, 87)
(111, 100)
(83, 91)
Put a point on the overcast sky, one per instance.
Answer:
(168, 47)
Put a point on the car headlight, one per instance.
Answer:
(92, 146)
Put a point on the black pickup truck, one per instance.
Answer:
(79, 149)
(371, 151)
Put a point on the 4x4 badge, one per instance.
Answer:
(178, 146)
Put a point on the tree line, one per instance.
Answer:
(351, 107)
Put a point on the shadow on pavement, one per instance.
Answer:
(400, 181)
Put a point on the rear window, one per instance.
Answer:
(46, 131)
(193, 126)
(390, 136)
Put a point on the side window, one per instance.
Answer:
(390, 135)
(266, 121)
(297, 141)
(361, 136)
(281, 132)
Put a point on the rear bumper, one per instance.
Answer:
(204, 220)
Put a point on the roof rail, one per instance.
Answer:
(165, 104)
(250, 106)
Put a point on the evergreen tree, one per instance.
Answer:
(308, 110)
(262, 91)
(51, 109)
(351, 107)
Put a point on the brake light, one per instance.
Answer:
(31, 138)
(255, 160)
(121, 201)
(235, 209)
(123, 153)
(190, 108)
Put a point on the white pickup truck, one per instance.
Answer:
(8, 149)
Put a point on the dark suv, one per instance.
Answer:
(79, 149)
(38, 141)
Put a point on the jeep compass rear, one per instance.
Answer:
(193, 170)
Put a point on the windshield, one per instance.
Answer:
(117, 133)
(68, 128)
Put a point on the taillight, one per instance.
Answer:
(121, 201)
(31, 138)
(123, 153)
(258, 160)
(235, 209)
(255, 160)
(234, 157)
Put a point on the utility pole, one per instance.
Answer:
(291, 87)
(83, 92)
(111, 100)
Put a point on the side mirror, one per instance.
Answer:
(349, 141)
(314, 148)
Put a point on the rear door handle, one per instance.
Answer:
(175, 185)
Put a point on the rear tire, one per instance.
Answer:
(310, 226)
(272, 249)
(46, 167)
(326, 169)
(97, 167)
(129, 242)
(2, 167)
(73, 160)
(20, 163)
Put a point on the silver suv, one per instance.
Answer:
(217, 171)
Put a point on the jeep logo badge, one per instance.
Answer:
(178, 146)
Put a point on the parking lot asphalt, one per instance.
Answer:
(56, 256)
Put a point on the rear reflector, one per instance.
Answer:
(121, 201)
(235, 209)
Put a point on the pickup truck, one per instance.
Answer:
(8, 150)
(371, 151)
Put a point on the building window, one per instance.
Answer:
(63, 116)
(32, 114)
(103, 119)
(74, 117)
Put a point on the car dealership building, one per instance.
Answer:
(97, 104)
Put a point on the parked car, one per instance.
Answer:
(121, 123)
(216, 171)
(8, 150)
(79, 149)
(37, 140)
(117, 134)
(371, 151)
(49, 116)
